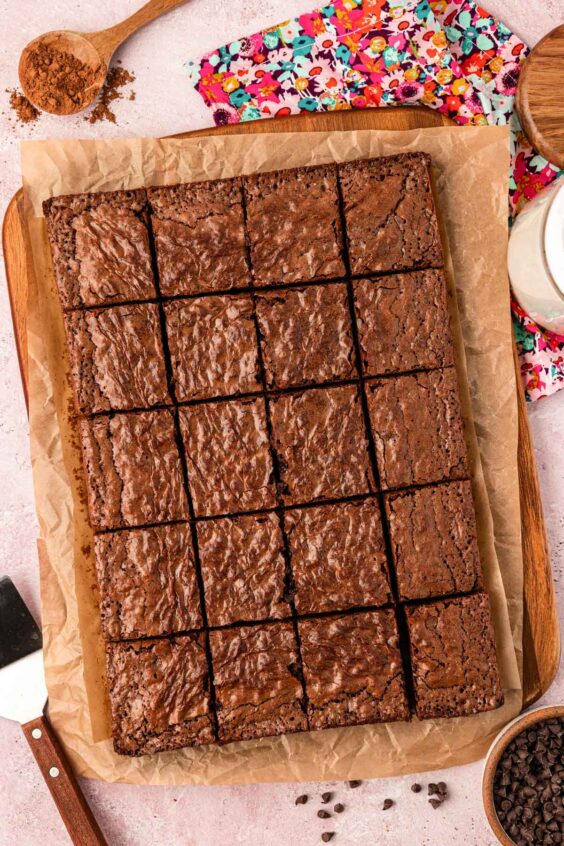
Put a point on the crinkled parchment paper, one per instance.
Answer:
(471, 167)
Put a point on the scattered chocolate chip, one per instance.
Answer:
(301, 800)
(432, 789)
(387, 804)
(339, 808)
(416, 788)
(354, 783)
(323, 815)
(327, 836)
(436, 803)
(442, 788)
(326, 797)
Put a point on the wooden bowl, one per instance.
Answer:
(497, 749)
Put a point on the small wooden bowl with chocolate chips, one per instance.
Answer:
(523, 781)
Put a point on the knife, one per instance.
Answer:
(23, 695)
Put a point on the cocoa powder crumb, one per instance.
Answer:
(25, 111)
(57, 81)
(117, 78)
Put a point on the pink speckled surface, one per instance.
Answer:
(263, 815)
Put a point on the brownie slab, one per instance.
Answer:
(213, 346)
(403, 322)
(306, 335)
(389, 214)
(116, 358)
(199, 236)
(148, 583)
(159, 694)
(353, 670)
(257, 689)
(100, 247)
(133, 470)
(321, 442)
(294, 225)
(228, 456)
(453, 657)
(338, 557)
(243, 569)
(417, 427)
(434, 542)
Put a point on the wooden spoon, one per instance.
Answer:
(93, 50)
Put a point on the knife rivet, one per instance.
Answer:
(53, 772)
(36, 734)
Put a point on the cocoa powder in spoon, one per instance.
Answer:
(56, 80)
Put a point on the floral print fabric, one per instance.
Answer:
(450, 55)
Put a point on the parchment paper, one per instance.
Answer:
(471, 167)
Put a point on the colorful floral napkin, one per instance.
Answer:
(450, 55)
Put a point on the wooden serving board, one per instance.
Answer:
(541, 639)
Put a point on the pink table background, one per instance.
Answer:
(262, 815)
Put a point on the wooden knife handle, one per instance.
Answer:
(68, 797)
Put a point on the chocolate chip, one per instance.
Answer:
(327, 836)
(436, 803)
(339, 808)
(301, 800)
(326, 797)
(323, 815)
(387, 804)
(432, 789)
(442, 788)
(354, 783)
(416, 788)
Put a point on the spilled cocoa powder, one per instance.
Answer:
(57, 81)
(117, 78)
(25, 111)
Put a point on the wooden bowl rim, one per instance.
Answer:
(498, 747)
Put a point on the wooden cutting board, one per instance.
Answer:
(541, 639)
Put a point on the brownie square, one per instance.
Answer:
(453, 657)
(159, 694)
(353, 669)
(100, 247)
(228, 456)
(243, 569)
(321, 442)
(389, 213)
(306, 335)
(417, 428)
(148, 583)
(213, 346)
(294, 225)
(257, 687)
(338, 557)
(403, 322)
(434, 542)
(116, 358)
(199, 236)
(133, 470)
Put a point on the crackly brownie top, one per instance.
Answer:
(403, 322)
(199, 236)
(257, 688)
(434, 542)
(306, 335)
(100, 247)
(159, 694)
(213, 346)
(320, 439)
(417, 426)
(243, 569)
(294, 225)
(228, 456)
(453, 657)
(116, 358)
(389, 214)
(148, 583)
(133, 470)
(353, 669)
(338, 556)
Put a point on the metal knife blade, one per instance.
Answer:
(23, 692)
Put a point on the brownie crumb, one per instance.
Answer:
(301, 800)
(116, 79)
